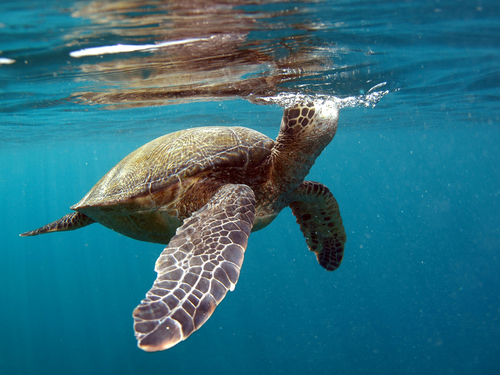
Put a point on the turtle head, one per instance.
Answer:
(306, 129)
(313, 122)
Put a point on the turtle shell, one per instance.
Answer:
(149, 192)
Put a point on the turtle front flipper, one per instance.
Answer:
(197, 268)
(72, 221)
(318, 214)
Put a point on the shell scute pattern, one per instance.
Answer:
(169, 161)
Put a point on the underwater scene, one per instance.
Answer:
(414, 167)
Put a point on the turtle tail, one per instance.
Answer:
(72, 221)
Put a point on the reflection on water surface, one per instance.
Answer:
(213, 51)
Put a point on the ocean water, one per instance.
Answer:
(414, 167)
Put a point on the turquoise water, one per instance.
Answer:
(416, 177)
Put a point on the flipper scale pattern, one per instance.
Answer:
(195, 271)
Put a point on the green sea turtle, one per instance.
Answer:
(202, 191)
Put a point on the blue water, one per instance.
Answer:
(416, 177)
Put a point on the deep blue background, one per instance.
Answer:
(417, 181)
(417, 291)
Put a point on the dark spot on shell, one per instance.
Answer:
(306, 217)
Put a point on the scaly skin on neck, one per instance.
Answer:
(306, 129)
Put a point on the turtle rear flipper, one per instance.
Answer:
(318, 214)
(72, 221)
(195, 271)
